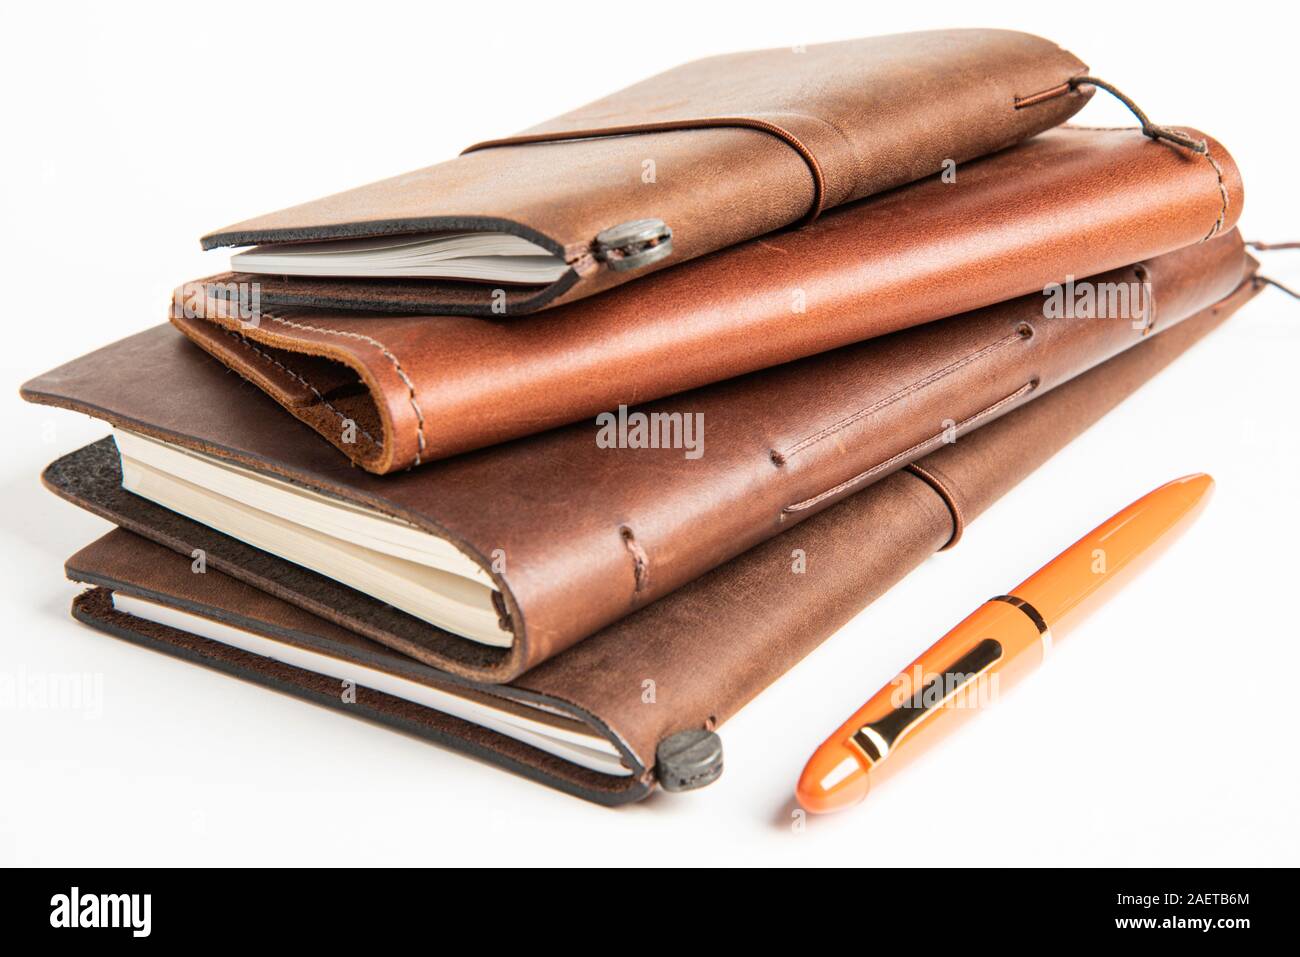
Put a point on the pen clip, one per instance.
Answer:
(880, 736)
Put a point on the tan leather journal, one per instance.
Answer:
(396, 391)
(696, 159)
(581, 721)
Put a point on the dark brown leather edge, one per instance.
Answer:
(403, 296)
(91, 478)
(94, 608)
(381, 227)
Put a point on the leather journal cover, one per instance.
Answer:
(575, 536)
(742, 144)
(401, 390)
(709, 647)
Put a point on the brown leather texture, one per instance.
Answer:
(419, 388)
(711, 646)
(121, 561)
(590, 534)
(743, 144)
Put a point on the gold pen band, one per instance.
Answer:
(1044, 632)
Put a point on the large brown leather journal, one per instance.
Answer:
(582, 721)
(396, 391)
(696, 159)
(561, 534)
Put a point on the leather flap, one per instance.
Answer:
(837, 104)
(809, 129)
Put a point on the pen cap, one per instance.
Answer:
(1115, 551)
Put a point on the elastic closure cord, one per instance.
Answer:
(1271, 247)
(1153, 130)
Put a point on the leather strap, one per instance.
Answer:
(949, 499)
(715, 122)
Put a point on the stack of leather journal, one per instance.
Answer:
(559, 452)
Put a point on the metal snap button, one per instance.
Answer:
(634, 244)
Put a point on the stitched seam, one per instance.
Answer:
(781, 457)
(1223, 188)
(1214, 165)
(397, 366)
(906, 453)
(316, 392)
(1223, 193)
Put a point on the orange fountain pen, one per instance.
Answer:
(1005, 637)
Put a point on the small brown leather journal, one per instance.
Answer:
(487, 564)
(696, 159)
(587, 721)
(396, 391)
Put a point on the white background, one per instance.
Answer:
(1164, 730)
